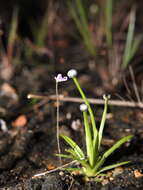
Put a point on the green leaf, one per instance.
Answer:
(111, 150)
(135, 45)
(129, 41)
(80, 18)
(75, 147)
(83, 161)
(103, 121)
(111, 167)
(13, 28)
(88, 138)
(73, 154)
(108, 20)
(64, 155)
(117, 145)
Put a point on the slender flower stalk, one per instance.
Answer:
(72, 74)
(58, 79)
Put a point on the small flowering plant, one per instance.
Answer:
(92, 161)
(59, 78)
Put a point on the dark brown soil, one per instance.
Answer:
(30, 149)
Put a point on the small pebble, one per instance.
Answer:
(68, 115)
(109, 174)
(76, 125)
(61, 173)
(137, 173)
(117, 171)
(111, 178)
(105, 182)
(3, 125)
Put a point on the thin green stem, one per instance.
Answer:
(95, 132)
(103, 121)
(57, 125)
(87, 103)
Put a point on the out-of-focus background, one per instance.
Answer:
(101, 39)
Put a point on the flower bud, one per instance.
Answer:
(72, 73)
(106, 97)
(83, 107)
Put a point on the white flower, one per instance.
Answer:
(72, 73)
(59, 78)
(83, 107)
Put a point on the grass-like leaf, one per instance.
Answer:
(112, 166)
(88, 138)
(64, 155)
(13, 28)
(132, 43)
(75, 147)
(79, 15)
(108, 21)
(110, 151)
(117, 145)
(73, 154)
(135, 45)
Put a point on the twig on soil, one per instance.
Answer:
(91, 100)
(54, 170)
(71, 184)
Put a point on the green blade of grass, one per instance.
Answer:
(43, 31)
(111, 167)
(135, 45)
(80, 18)
(117, 145)
(111, 150)
(84, 24)
(88, 138)
(64, 155)
(108, 22)
(82, 14)
(79, 25)
(75, 147)
(130, 36)
(13, 28)
(74, 155)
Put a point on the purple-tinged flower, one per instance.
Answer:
(59, 78)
